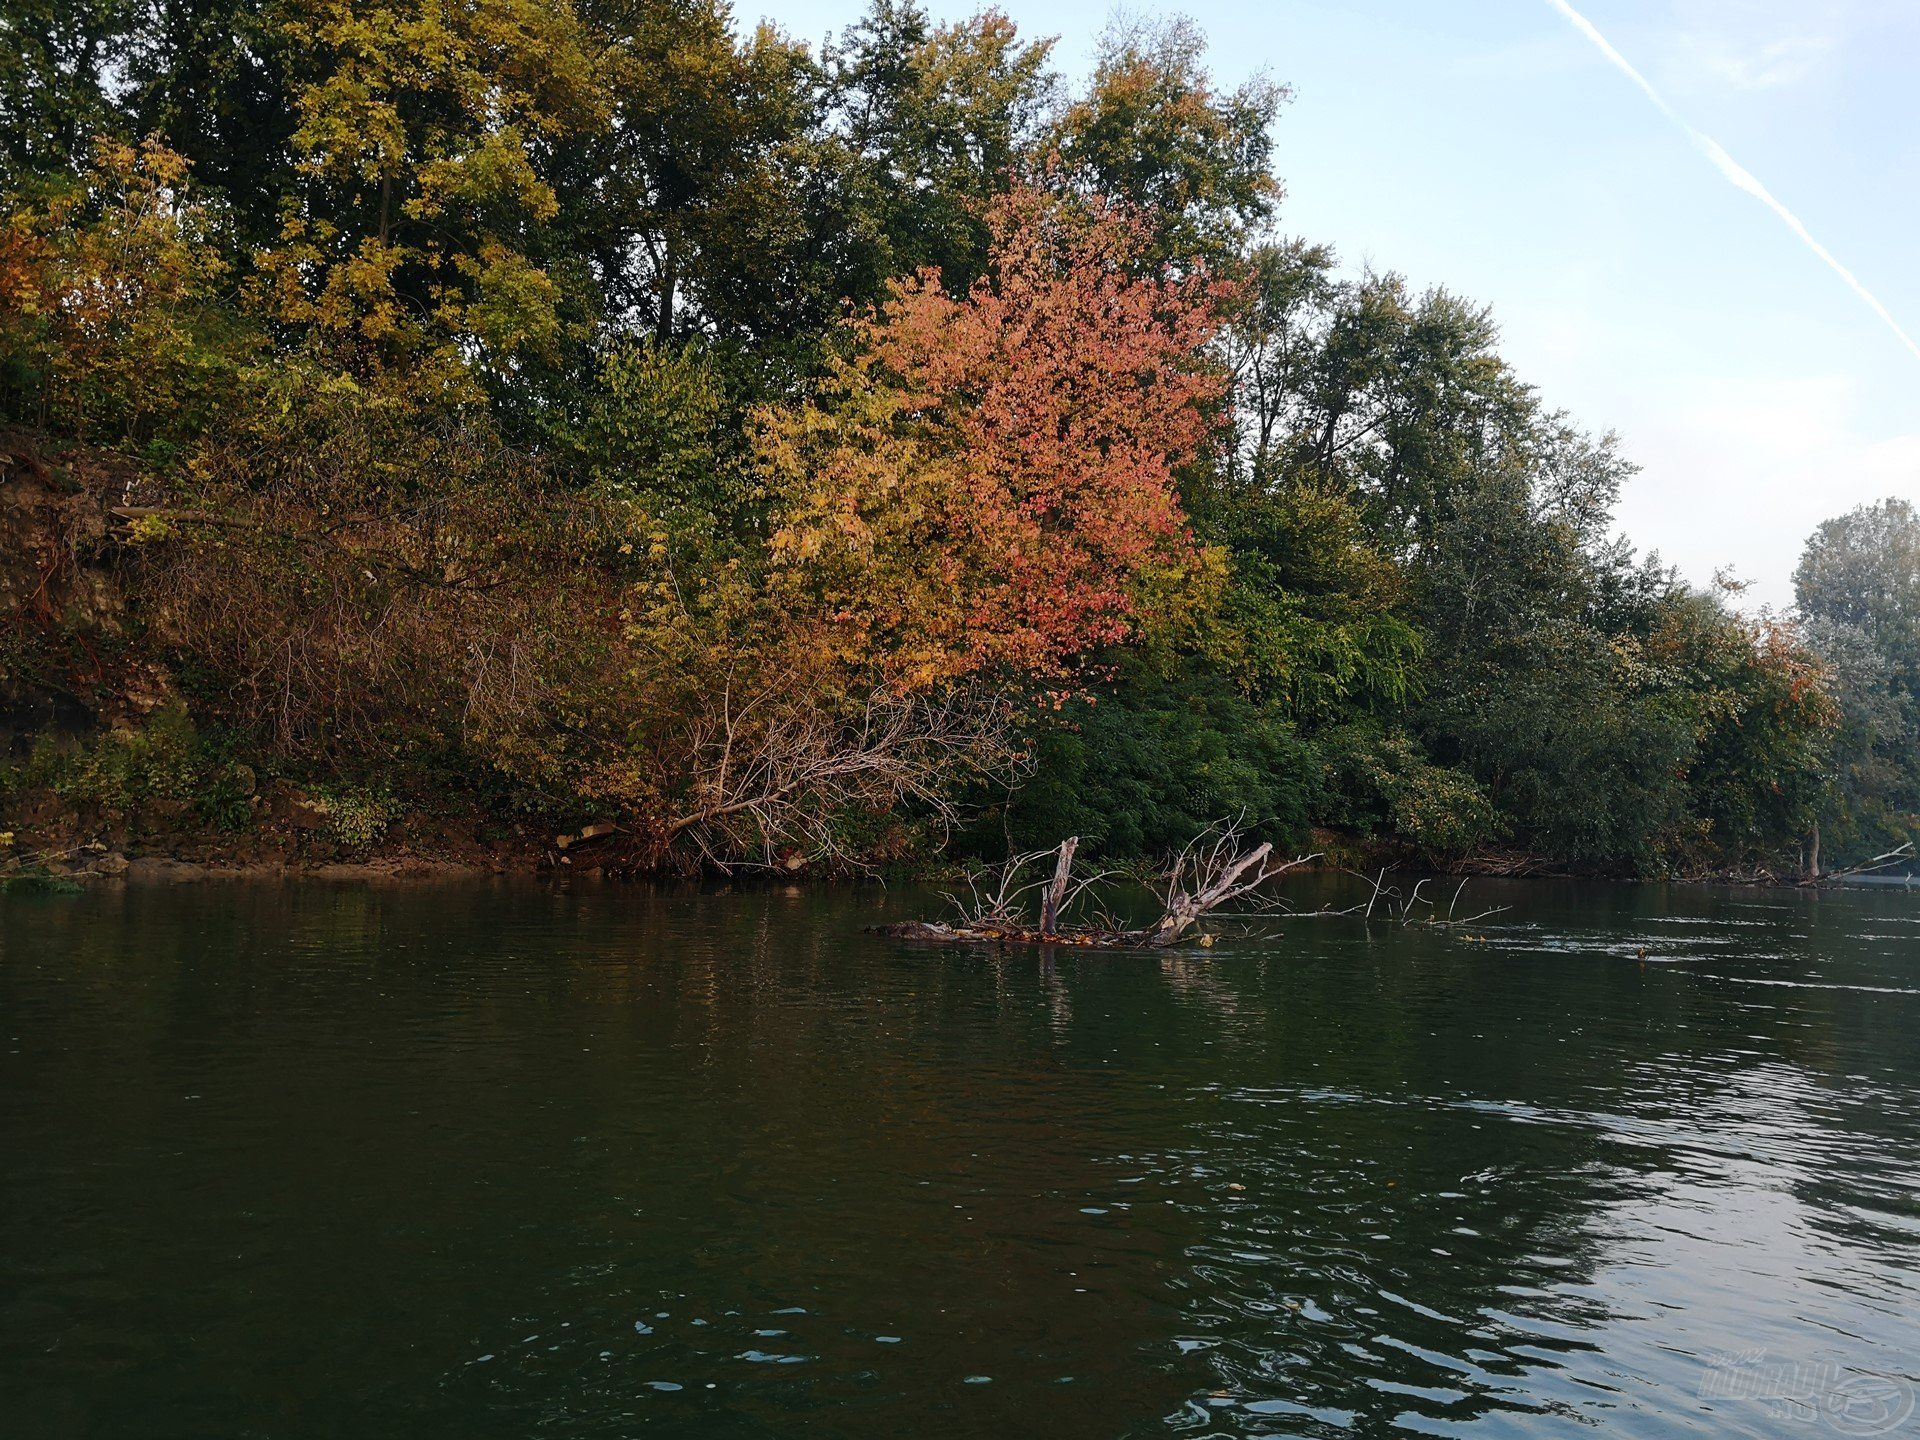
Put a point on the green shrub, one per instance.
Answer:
(121, 768)
(1140, 768)
(167, 760)
(226, 795)
(1383, 783)
(356, 819)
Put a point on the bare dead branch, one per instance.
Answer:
(1201, 881)
(1214, 870)
(779, 769)
(1057, 889)
(1884, 861)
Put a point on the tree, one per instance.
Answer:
(1136, 766)
(111, 326)
(1153, 132)
(55, 62)
(987, 479)
(689, 201)
(412, 244)
(214, 80)
(1863, 570)
(939, 120)
(1272, 337)
(662, 420)
(1858, 586)
(1769, 717)
(1312, 612)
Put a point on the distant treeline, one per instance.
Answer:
(594, 410)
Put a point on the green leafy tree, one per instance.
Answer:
(938, 120)
(55, 62)
(1154, 131)
(412, 242)
(693, 204)
(213, 80)
(1858, 586)
(1863, 570)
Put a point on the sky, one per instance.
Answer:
(1657, 199)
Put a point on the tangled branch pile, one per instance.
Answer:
(1019, 903)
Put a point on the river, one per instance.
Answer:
(488, 1160)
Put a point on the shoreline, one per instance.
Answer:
(24, 871)
(168, 870)
(27, 873)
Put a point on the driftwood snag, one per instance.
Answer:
(1215, 870)
(1057, 891)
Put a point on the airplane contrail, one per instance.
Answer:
(1732, 170)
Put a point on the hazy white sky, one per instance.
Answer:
(1492, 146)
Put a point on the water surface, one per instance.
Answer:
(478, 1161)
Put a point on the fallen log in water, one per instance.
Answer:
(966, 934)
(1213, 871)
(1026, 900)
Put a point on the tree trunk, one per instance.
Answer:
(669, 279)
(1057, 891)
(1184, 910)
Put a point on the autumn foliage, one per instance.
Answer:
(988, 479)
(602, 417)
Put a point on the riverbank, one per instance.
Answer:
(44, 846)
(298, 841)
(29, 873)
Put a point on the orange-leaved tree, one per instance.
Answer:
(988, 479)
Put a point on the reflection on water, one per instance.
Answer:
(492, 1161)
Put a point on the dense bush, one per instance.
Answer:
(1139, 768)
